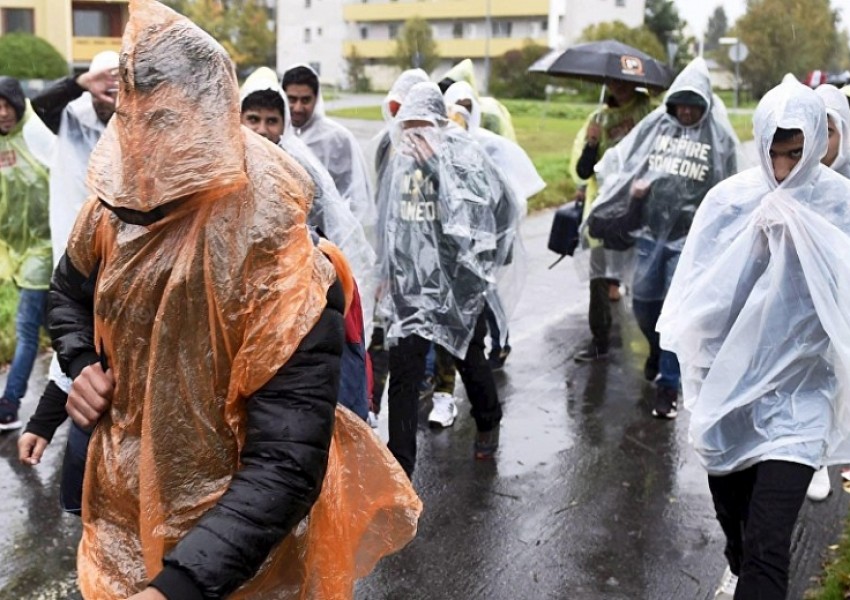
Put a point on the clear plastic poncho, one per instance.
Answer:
(339, 152)
(25, 255)
(448, 223)
(329, 213)
(839, 111)
(196, 312)
(495, 116)
(679, 164)
(758, 311)
(517, 169)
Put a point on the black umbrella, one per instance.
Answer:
(603, 61)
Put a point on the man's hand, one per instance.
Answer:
(149, 594)
(90, 396)
(594, 132)
(31, 448)
(103, 84)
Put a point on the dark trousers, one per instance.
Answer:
(599, 312)
(757, 509)
(407, 368)
(380, 366)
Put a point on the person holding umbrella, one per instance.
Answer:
(624, 107)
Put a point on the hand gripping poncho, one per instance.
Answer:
(758, 312)
(448, 223)
(680, 163)
(196, 312)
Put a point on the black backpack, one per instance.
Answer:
(564, 235)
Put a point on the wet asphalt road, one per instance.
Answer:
(589, 496)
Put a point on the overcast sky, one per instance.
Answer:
(697, 12)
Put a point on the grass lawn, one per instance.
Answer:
(546, 131)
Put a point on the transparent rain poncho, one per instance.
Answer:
(678, 163)
(25, 255)
(339, 152)
(758, 309)
(448, 223)
(495, 116)
(517, 169)
(196, 312)
(329, 213)
(839, 112)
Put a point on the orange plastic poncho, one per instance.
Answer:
(196, 312)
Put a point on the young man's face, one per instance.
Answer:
(688, 114)
(785, 155)
(8, 118)
(302, 103)
(104, 110)
(834, 139)
(268, 122)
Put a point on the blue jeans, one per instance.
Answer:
(31, 308)
(654, 267)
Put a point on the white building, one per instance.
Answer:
(322, 33)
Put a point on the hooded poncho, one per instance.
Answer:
(448, 223)
(757, 312)
(338, 151)
(839, 111)
(495, 116)
(198, 311)
(24, 226)
(329, 213)
(681, 163)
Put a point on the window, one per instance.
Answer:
(620, 2)
(502, 29)
(93, 20)
(306, 35)
(307, 3)
(364, 33)
(318, 32)
(544, 25)
(457, 30)
(18, 20)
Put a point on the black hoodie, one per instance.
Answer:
(11, 90)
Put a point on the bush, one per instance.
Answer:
(510, 78)
(26, 56)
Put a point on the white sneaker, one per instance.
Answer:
(372, 420)
(726, 591)
(444, 412)
(819, 488)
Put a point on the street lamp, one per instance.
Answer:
(737, 54)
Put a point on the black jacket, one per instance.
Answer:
(290, 423)
(51, 102)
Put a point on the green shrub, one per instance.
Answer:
(26, 56)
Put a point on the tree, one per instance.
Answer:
(637, 37)
(415, 46)
(357, 79)
(509, 77)
(718, 26)
(26, 56)
(789, 36)
(241, 26)
(662, 18)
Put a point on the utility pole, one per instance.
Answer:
(488, 29)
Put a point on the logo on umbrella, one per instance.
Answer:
(631, 65)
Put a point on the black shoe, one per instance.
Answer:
(9, 415)
(486, 444)
(666, 402)
(593, 352)
(497, 359)
(651, 367)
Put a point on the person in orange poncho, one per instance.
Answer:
(202, 326)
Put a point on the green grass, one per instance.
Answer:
(546, 131)
(834, 583)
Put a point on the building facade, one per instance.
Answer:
(321, 33)
(78, 30)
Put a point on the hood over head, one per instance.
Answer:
(108, 59)
(838, 110)
(462, 71)
(692, 87)
(791, 105)
(463, 91)
(176, 129)
(264, 79)
(11, 90)
(424, 102)
(400, 88)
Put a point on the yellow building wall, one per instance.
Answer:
(444, 9)
(458, 48)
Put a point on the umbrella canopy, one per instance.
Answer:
(603, 61)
